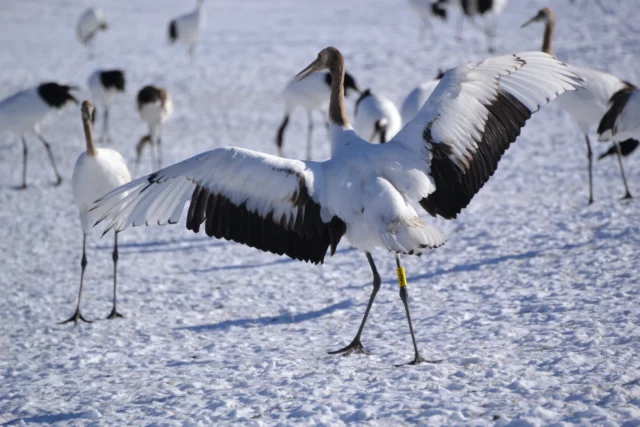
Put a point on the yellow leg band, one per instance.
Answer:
(402, 277)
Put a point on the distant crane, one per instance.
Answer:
(97, 171)
(622, 123)
(186, 28)
(105, 85)
(90, 23)
(312, 94)
(588, 104)
(23, 112)
(301, 209)
(426, 11)
(488, 9)
(417, 97)
(155, 107)
(376, 116)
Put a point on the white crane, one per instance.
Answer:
(621, 123)
(417, 97)
(376, 116)
(155, 107)
(312, 94)
(426, 11)
(105, 85)
(24, 111)
(588, 104)
(90, 23)
(186, 28)
(364, 191)
(489, 10)
(97, 171)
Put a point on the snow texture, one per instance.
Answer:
(533, 304)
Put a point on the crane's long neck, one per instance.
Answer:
(88, 134)
(337, 110)
(549, 28)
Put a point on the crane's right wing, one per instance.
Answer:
(260, 200)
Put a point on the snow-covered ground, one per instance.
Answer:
(534, 302)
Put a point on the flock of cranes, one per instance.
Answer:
(436, 152)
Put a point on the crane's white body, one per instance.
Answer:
(155, 114)
(312, 94)
(23, 111)
(99, 94)
(189, 25)
(95, 176)
(369, 187)
(416, 99)
(376, 110)
(588, 104)
(90, 22)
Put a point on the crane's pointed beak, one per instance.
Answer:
(529, 22)
(312, 68)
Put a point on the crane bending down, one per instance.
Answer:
(364, 191)
(97, 171)
(377, 118)
(588, 104)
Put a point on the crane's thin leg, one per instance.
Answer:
(355, 345)
(78, 315)
(590, 158)
(114, 312)
(24, 163)
(280, 135)
(402, 280)
(53, 162)
(460, 26)
(309, 136)
(152, 151)
(106, 137)
(627, 194)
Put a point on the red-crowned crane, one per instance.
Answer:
(155, 107)
(23, 112)
(186, 28)
(104, 86)
(90, 23)
(97, 171)
(302, 208)
(588, 104)
(377, 118)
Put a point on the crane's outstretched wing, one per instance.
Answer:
(473, 115)
(252, 198)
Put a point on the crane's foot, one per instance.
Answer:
(627, 196)
(75, 318)
(21, 187)
(114, 314)
(354, 347)
(590, 200)
(58, 182)
(417, 360)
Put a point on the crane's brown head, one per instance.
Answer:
(543, 15)
(328, 59)
(88, 112)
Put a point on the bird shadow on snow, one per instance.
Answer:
(282, 319)
(46, 419)
(497, 260)
(161, 246)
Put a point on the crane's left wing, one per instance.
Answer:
(252, 198)
(473, 115)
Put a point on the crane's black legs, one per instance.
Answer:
(355, 345)
(51, 159)
(114, 312)
(25, 152)
(590, 158)
(106, 137)
(77, 315)
(404, 296)
(159, 154)
(309, 136)
(624, 178)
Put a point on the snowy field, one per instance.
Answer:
(534, 302)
